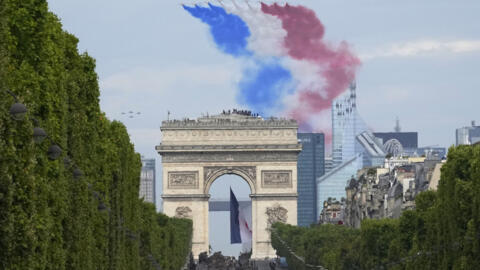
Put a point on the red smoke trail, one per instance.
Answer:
(304, 41)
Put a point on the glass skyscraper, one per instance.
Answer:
(346, 125)
(353, 147)
(333, 183)
(310, 166)
(147, 180)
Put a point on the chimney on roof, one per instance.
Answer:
(473, 123)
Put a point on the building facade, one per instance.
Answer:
(408, 140)
(333, 212)
(353, 147)
(432, 152)
(346, 125)
(468, 135)
(263, 152)
(147, 180)
(377, 193)
(311, 165)
(332, 184)
(408, 145)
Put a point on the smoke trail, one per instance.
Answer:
(229, 31)
(267, 34)
(263, 87)
(304, 41)
(296, 73)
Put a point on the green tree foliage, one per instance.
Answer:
(443, 232)
(49, 219)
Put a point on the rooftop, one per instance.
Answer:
(228, 119)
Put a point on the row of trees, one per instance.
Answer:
(443, 232)
(50, 219)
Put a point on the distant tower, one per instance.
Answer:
(397, 127)
(147, 180)
(346, 125)
(310, 166)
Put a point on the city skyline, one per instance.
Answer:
(239, 134)
(146, 63)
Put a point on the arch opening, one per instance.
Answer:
(229, 171)
(219, 213)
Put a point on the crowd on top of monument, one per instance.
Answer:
(240, 112)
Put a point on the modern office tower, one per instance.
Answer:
(310, 166)
(353, 147)
(147, 180)
(408, 140)
(332, 184)
(350, 135)
(468, 135)
(328, 164)
(373, 154)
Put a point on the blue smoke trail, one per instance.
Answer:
(262, 89)
(229, 31)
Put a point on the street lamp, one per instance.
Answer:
(39, 134)
(54, 151)
(17, 110)
(77, 173)
(67, 161)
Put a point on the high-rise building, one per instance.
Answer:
(310, 166)
(468, 135)
(147, 180)
(350, 134)
(408, 140)
(328, 164)
(353, 147)
(346, 125)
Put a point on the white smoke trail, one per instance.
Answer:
(267, 35)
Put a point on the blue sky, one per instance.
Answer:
(420, 62)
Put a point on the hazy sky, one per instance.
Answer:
(419, 62)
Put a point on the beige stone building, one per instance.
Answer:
(261, 151)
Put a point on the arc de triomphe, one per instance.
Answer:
(262, 152)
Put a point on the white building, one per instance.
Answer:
(468, 135)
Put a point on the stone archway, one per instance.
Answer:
(219, 213)
(262, 152)
(247, 173)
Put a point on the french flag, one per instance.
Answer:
(240, 229)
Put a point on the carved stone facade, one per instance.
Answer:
(276, 213)
(183, 180)
(250, 171)
(277, 179)
(183, 212)
(262, 152)
(231, 156)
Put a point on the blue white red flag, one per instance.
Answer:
(235, 236)
(240, 223)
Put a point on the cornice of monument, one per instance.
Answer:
(229, 121)
(228, 148)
